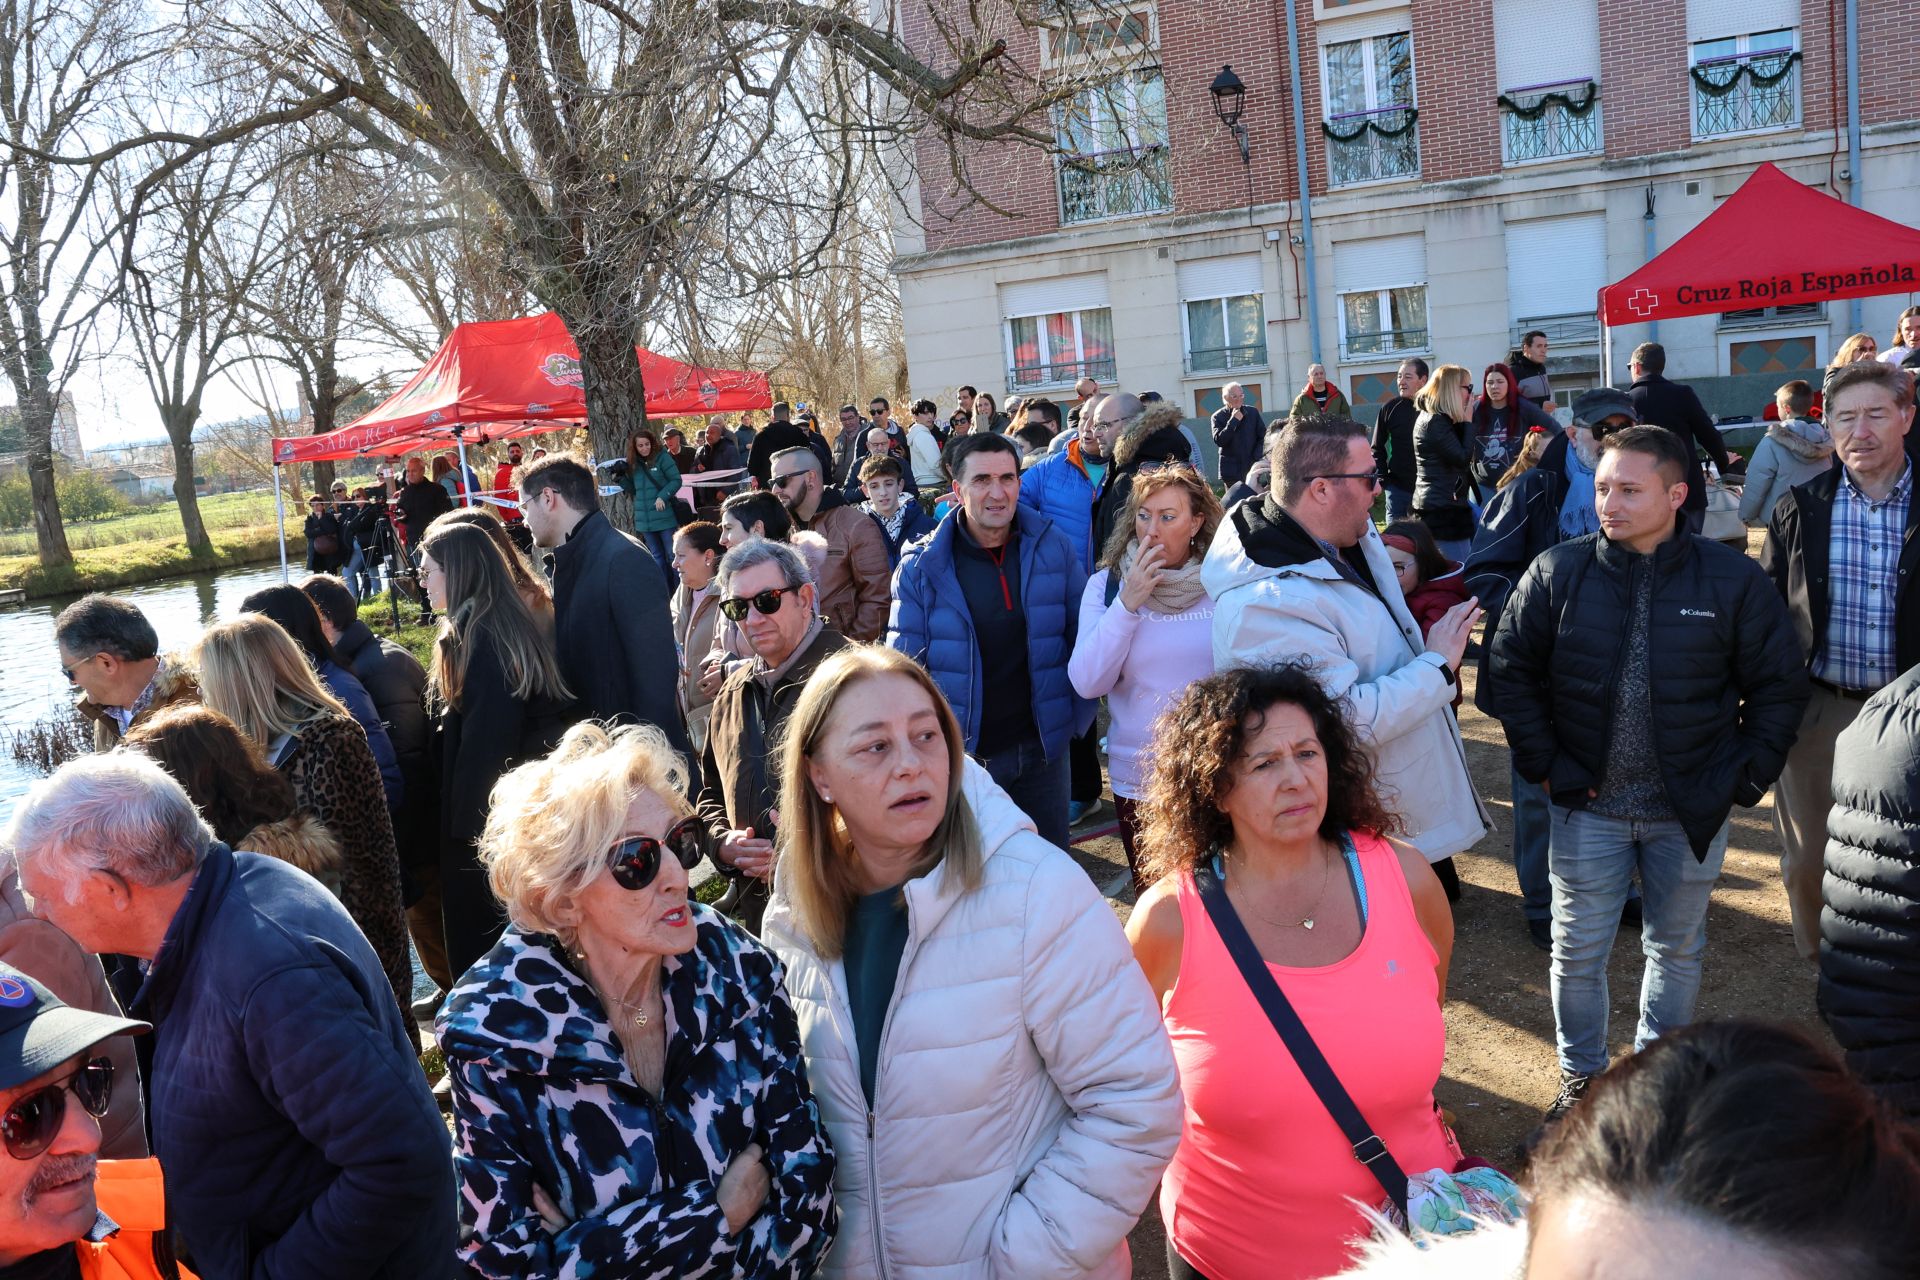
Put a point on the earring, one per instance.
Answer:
(825, 798)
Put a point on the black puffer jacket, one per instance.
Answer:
(1728, 681)
(1443, 453)
(1870, 926)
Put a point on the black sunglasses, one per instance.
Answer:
(635, 861)
(68, 671)
(1371, 477)
(767, 602)
(33, 1122)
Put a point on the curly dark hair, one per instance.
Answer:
(1198, 738)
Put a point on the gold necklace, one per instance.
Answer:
(639, 1013)
(1306, 923)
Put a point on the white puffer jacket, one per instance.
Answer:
(1366, 649)
(1026, 1100)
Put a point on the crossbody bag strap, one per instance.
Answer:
(1368, 1148)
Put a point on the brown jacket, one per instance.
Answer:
(174, 684)
(43, 952)
(695, 624)
(856, 586)
(301, 841)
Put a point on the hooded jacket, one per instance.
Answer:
(1792, 452)
(287, 1104)
(1155, 436)
(1026, 1099)
(932, 625)
(856, 583)
(131, 1195)
(542, 1097)
(1728, 681)
(1870, 927)
(1059, 488)
(174, 684)
(1520, 521)
(1278, 598)
(300, 841)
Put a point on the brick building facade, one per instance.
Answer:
(1475, 167)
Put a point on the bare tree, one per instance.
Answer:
(194, 261)
(62, 63)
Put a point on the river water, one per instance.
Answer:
(31, 686)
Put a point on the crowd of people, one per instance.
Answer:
(877, 682)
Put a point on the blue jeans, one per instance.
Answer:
(1399, 503)
(359, 575)
(1038, 785)
(1592, 859)
(660, 543)
(1532, 828)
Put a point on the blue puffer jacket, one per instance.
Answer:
(288, 1109)
(1059, 488)
(930, 624)
(543, 1098)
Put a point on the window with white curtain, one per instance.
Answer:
(1372, 121)
(1223, 314)
(1382, 285)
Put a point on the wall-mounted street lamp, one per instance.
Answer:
(1229, 99)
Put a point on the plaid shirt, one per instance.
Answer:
(1863, 572)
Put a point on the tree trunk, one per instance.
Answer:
(199, 545)
(616, 396)
(36, 420)
(323, 476)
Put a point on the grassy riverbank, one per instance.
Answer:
(147, 545)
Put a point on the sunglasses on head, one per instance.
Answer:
(635, 861)
(32, 1122)
(767, 602)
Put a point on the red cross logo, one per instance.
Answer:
(1642, 301)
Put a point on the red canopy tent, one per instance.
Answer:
(1772, 243)
(513, 377)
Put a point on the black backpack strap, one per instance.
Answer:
(1368, 1148)
(1113, 585)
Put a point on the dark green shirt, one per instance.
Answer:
(876, 939)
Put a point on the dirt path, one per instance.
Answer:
(1500, 1069)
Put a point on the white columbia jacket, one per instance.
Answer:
(1026, 1100)
(1274, 603)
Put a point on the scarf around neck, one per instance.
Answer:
(1178, 590)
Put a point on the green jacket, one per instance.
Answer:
(661, 481)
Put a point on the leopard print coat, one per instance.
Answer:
(542, 1097)
(336, 782)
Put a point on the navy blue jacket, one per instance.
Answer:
(930, 623)
(915, 525)
(287, 1107)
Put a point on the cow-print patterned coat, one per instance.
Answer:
(542, 1096)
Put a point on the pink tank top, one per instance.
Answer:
(1263, 1183)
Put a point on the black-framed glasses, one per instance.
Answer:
(1371, 477)
(68, 671)
(635, 861)
(32, 1123)
(767, 602)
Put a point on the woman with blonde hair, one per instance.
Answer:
(253, 673)
(1146, 624)
(532, 586)
(1859, 347)
(499, 698)
(1019, 1109)
(1443, 457)
(628, 1094)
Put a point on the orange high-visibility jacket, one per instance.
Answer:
(130, 1192)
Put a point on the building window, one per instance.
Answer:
(1545, 122)
(1113, 144)
(1061, 348)
(1383, 322)
(1744, 83)
(1371, 118)
(1762, 317)
(1225, 334)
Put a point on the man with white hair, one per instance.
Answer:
(1239, 430)
(286, 1101)
(1320, 398)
